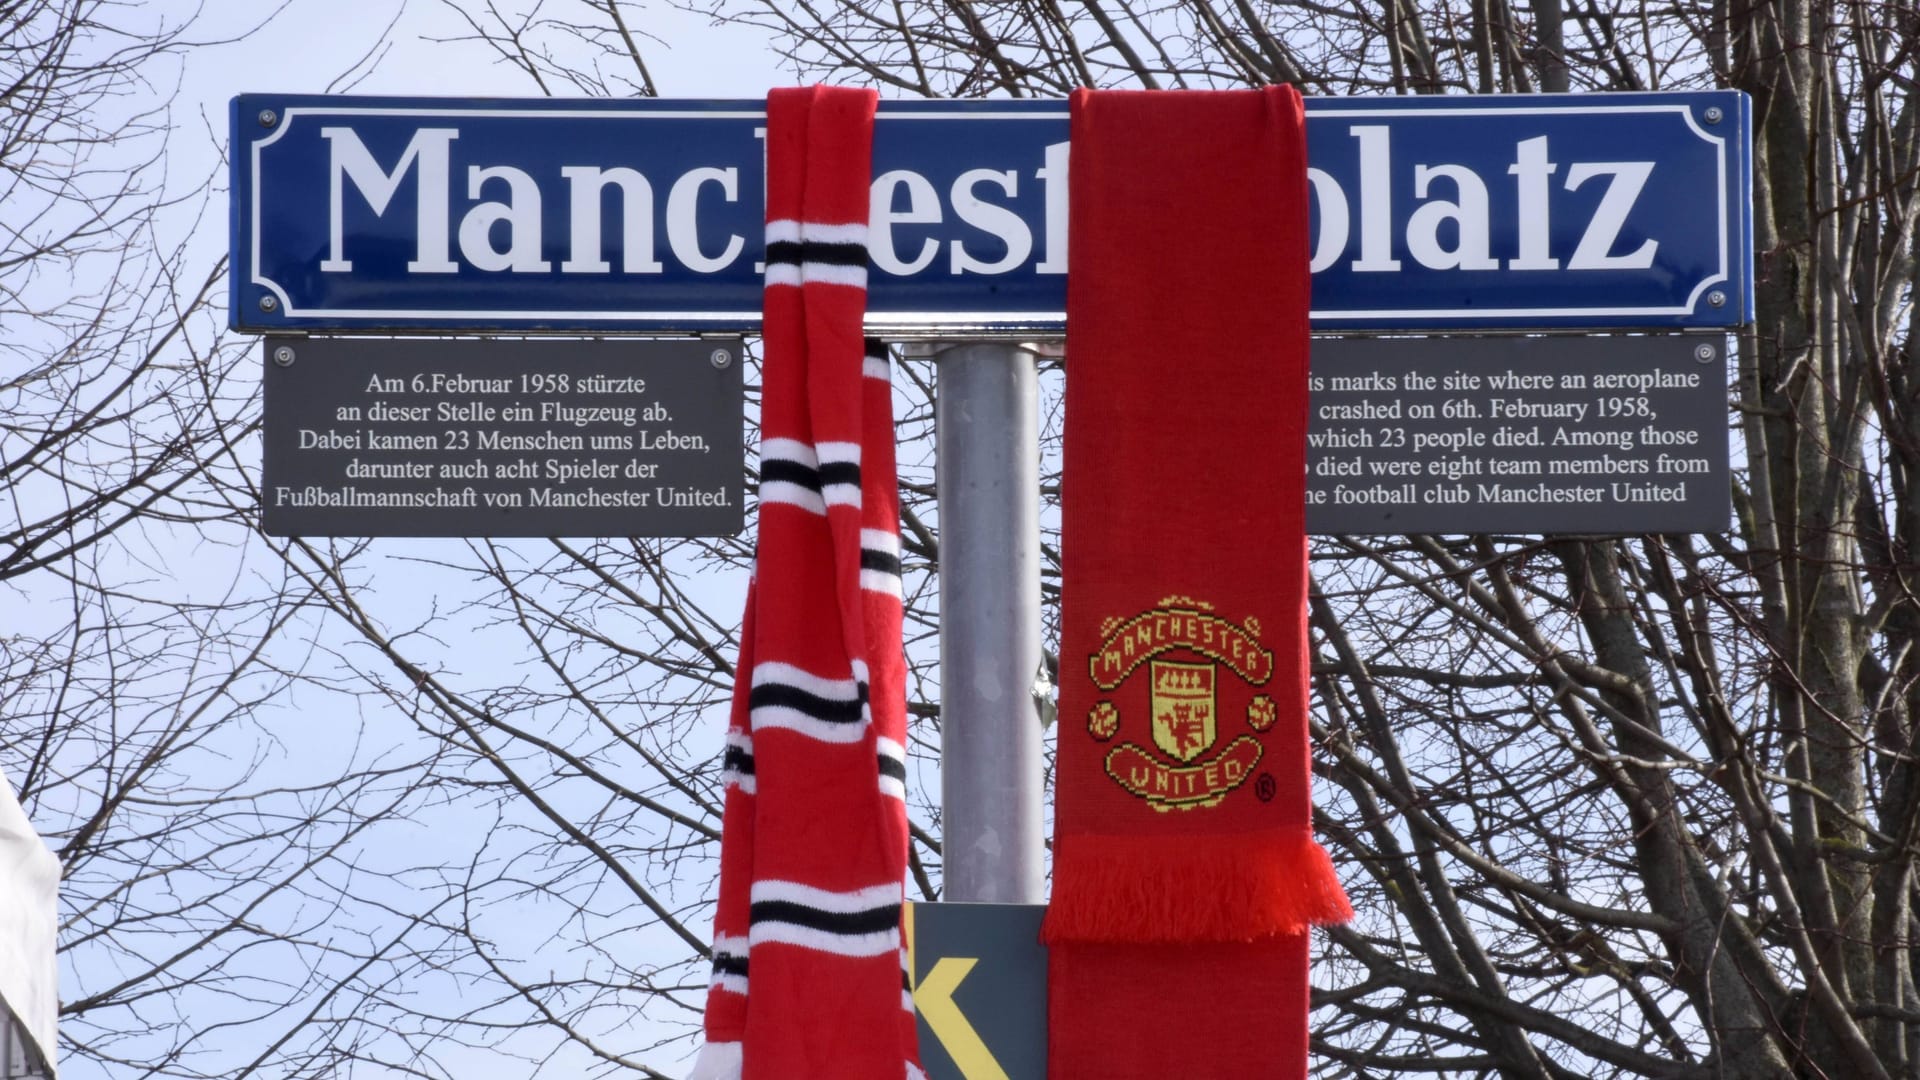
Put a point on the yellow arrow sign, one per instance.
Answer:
(934, 998)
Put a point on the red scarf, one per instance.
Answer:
(1185, 870)
(807, 950)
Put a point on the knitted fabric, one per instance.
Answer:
(807, 952)
(1185, 870)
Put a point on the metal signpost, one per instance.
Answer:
(1437, 215)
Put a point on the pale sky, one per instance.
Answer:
(307, 48)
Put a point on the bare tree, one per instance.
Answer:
(1635, 806)
(149, 648)
(1663, 826)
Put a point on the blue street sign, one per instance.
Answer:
(1550, 211)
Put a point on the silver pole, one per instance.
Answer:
(987, 432)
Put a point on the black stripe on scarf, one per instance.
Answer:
(795, 252)
(737, 760)
(870, 921)
(800, 701)
(885, 562)
(785, 470)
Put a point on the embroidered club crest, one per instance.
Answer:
(1183, 708)
(1183, 702)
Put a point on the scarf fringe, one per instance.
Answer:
(1202, 887)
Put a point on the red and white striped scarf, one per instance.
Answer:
(808, 957)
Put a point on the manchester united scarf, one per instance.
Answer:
(1185, 870)
(807, 951)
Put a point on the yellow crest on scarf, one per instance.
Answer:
(1183, 701)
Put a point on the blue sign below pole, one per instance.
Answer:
(1438, 213)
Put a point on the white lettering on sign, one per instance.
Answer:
(1376, 200)
(505, 235)
(683, 218)
(1469, 216)
(1470, 212)
(923, 208)
(991, 219)
(904, 197)
(520, 213)
(1450, 225)
(1053, 181)
(1628, 178)
(636, 221)
(352, 161)
(1334, 215)
(1530, 164)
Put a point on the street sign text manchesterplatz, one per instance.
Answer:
(1439, 213)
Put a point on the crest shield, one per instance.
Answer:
(1183, 708)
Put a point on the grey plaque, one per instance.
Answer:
(1516, 434)
(486, 437)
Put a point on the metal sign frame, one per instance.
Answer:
(1437, 199)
